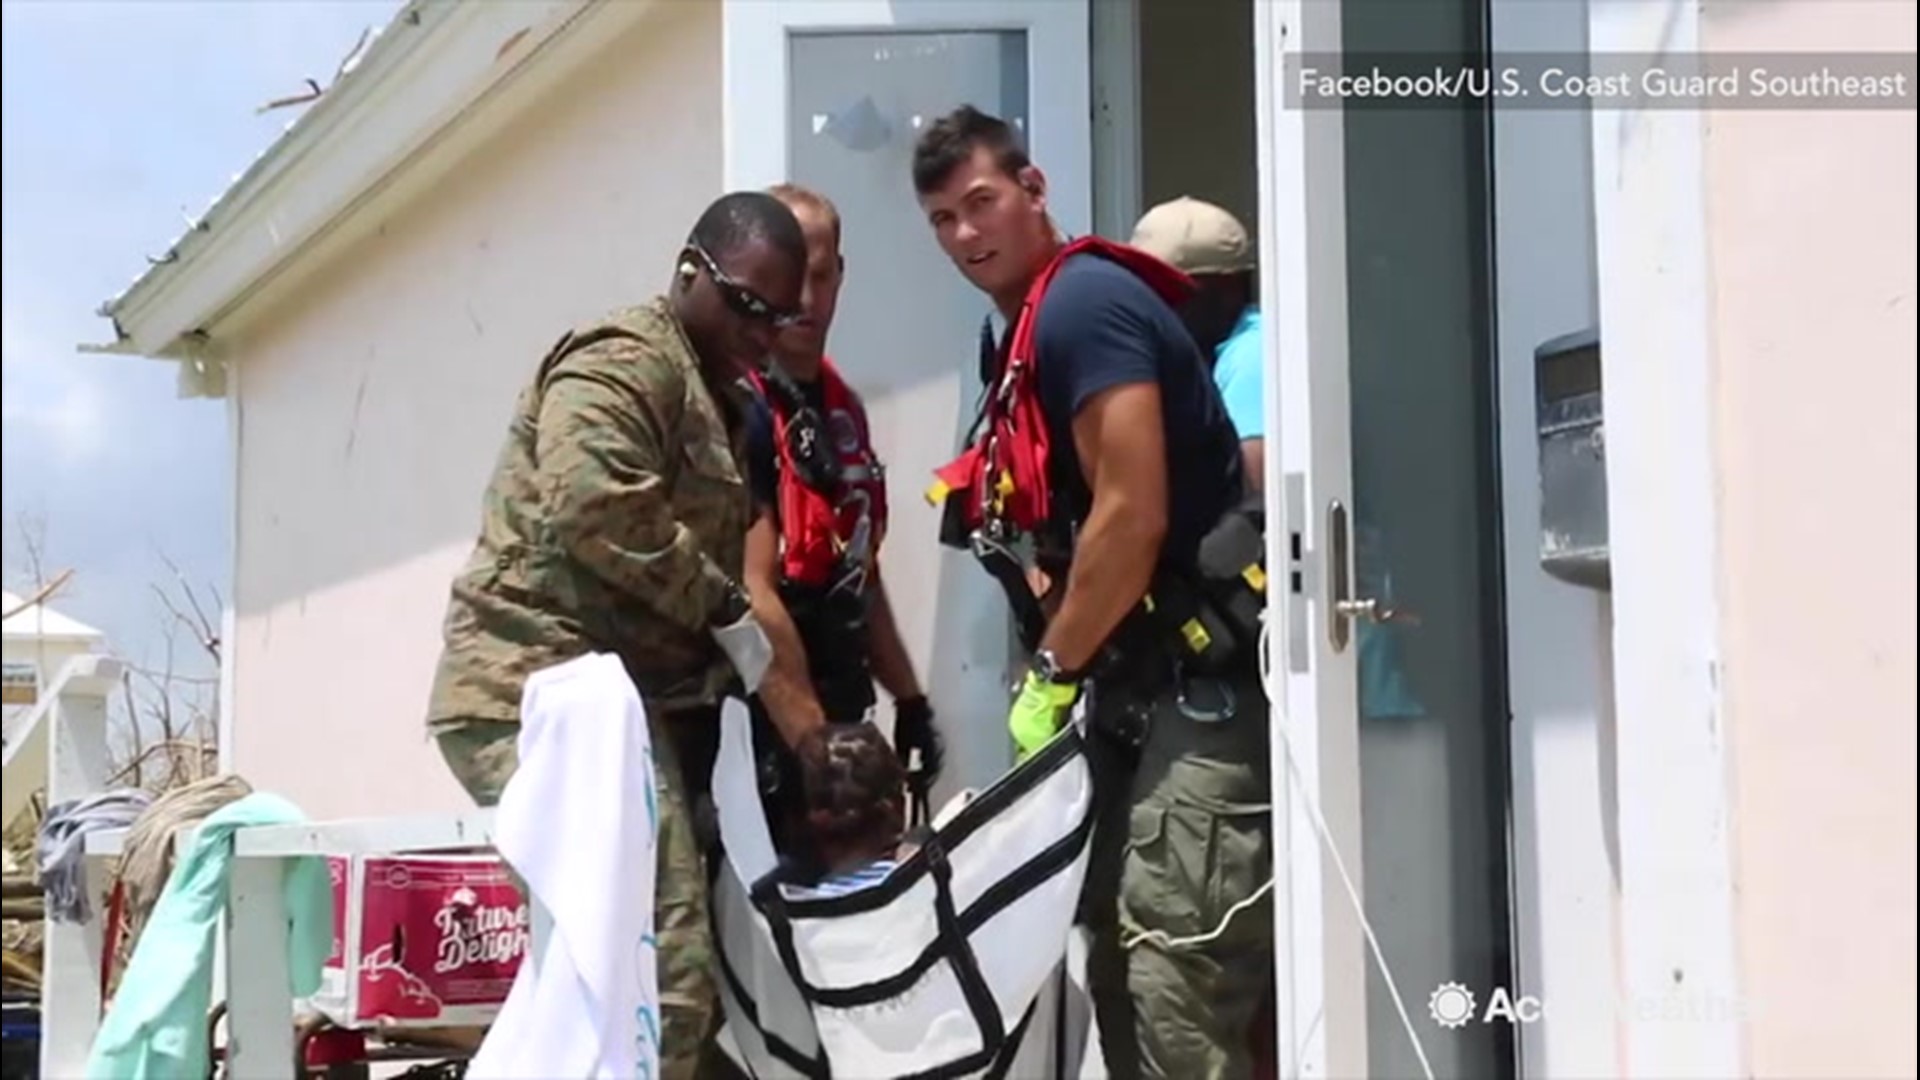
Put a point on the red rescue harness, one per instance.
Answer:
(1002, 477)
(816, 528)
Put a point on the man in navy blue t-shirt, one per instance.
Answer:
(1143, 463)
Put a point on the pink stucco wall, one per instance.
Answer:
(372, 406)
(1811, 226)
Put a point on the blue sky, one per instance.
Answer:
(121, 120)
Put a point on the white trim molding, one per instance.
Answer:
(1321, 960)
(230, 613)
(1680, 991)
(439, 67)
(1115, 57)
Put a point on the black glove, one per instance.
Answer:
(913, 730)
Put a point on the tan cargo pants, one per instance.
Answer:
(482, 755)
(1183, 838)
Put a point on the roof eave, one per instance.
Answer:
(70, 637)
(420, 77)
(144, 314)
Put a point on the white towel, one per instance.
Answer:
(577, 821)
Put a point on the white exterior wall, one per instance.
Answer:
(373, 404)
(1813, 260)
(1564, 874)
(1756, 296)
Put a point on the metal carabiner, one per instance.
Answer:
(1229, 704)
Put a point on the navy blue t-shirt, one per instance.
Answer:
(1101, 327)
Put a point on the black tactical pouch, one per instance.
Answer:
(1123, 719)
(1190, 625)
(834, 628)
(1232, 565)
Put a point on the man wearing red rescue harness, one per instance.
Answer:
(812, 567)
(1104, 441)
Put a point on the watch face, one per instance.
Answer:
(1046, 665)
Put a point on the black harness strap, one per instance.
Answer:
(814, 1068)
(986, 1011)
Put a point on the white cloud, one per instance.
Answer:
(53, 399)
(72, 421)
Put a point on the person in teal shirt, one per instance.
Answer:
(1212, 246)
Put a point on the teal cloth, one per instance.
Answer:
(157, 1027)
(1385, 691)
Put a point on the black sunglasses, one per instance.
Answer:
(742, 300)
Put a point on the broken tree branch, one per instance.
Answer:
(41, 595)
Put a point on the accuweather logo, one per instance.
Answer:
(1451, 1005)
(1454, 1006)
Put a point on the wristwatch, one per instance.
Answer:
(734, 606)
(1047, 666)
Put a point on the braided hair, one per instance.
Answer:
(855, 791)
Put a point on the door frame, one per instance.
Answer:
(1321, 1014)
(1118, 168)
(1321, 959)
(1326, 951)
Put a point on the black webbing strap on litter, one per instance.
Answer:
(766, 896)
(1004, 1060)
(995, 1060)
(959, 951)
(814, 1068)
(951, 943)
(1057, 857)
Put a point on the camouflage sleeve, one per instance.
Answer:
(605, 497)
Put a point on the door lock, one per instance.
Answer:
(1342, 607)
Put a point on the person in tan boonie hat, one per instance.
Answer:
(1198, 237)
(1212, 246)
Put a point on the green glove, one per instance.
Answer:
(1037, 712)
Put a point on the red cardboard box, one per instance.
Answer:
(422, 940)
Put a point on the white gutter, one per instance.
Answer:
(238, 206)
(430, 71)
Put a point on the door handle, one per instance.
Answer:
(1343, 607)
(1370, 610)
(1366, 608)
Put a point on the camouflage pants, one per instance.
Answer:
(482, 755)
(1182, 838)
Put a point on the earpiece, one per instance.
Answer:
(688, 271)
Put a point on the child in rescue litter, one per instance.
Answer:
(855, 794)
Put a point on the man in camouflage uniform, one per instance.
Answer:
(615, 522)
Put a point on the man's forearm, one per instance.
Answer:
(787, 690)
(888, 654)
(1112, 567)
